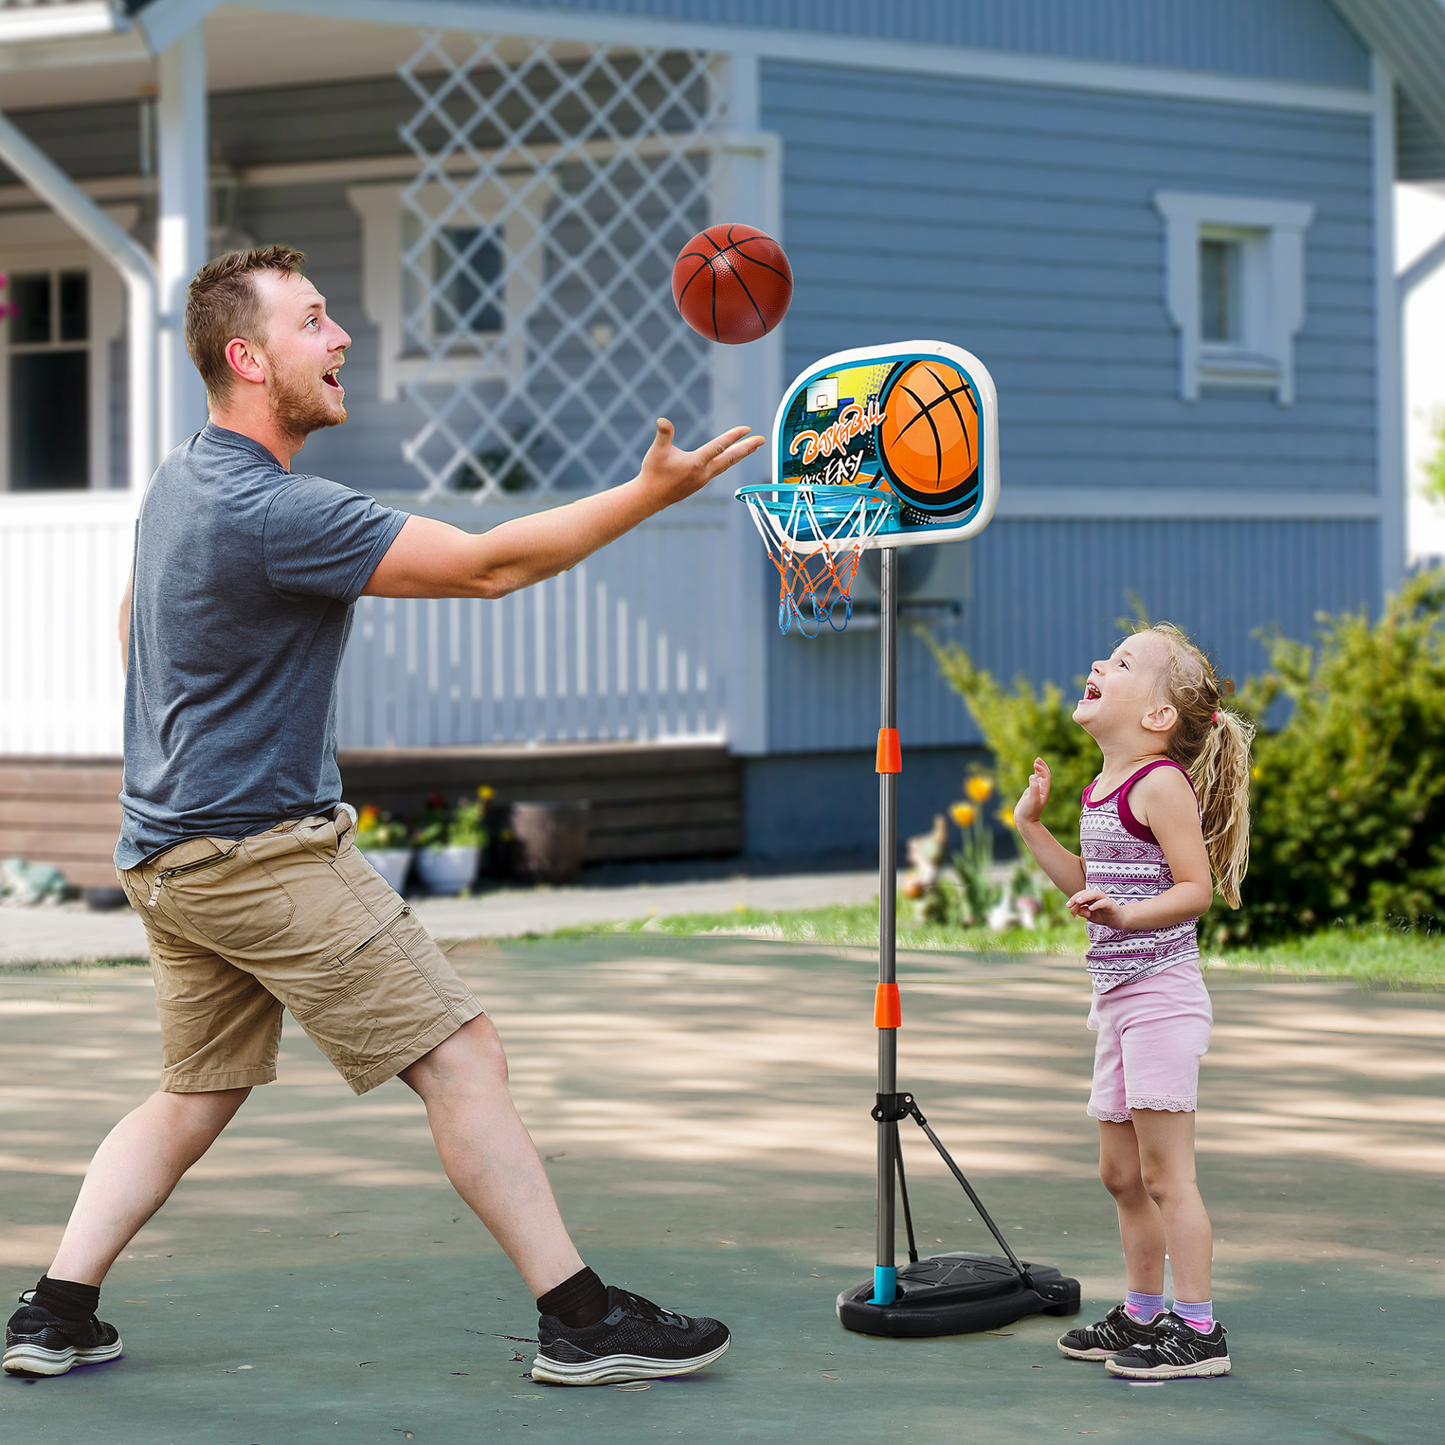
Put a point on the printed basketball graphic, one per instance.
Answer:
(929, 438)
(732, 283)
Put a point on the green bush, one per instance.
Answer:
(1348, 798)
(1020, 725)
(1349, 795)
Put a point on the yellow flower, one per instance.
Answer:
(1006, 817)
(963, 814)
(486, 794)
(979, 788)
(1256, 772)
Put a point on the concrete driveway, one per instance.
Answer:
(703, 1107)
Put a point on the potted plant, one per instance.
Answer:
(449, 843)
(384, 841)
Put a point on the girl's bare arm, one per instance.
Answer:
(1065, 869)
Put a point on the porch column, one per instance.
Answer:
(181, 235)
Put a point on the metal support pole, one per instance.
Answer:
(181, 233)
(885, 1274)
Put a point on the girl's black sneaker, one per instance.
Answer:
(636, 1340)
(1177, 1352)
(40, 1343)
(1118, 1330)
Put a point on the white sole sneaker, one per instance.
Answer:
(27, 1358)
(619, 1369)
(1198, 1371)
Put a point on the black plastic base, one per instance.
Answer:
(958, 1294)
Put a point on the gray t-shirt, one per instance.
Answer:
(245, 578)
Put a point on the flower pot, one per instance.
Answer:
(447, 870)
(551, 839)
(392, 863)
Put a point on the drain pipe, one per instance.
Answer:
(137, 270)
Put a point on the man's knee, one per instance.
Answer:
(212, 1108)
(473, 1055)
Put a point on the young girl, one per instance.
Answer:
(1169, 808)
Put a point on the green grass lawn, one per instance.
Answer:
(1375, 957)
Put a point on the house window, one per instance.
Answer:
(447, 305)
(467, 270)
(48, 368)
(1220, 291)
(1234, 268)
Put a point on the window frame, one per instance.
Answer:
(40, 241)
(1270, 234)
(384, 222)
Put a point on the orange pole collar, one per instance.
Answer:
(890, 754)
(887, 1011)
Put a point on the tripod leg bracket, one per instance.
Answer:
(890, 1108)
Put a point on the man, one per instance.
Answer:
(236, 854)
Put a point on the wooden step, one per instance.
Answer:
(64, 813)
(648, 800)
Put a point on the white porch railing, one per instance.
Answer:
(624, 646)
(627, 645)
(64, 561)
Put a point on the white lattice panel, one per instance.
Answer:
(557, 185)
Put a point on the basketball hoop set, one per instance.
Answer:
(875, 448)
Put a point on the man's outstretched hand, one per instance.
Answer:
(670, 474)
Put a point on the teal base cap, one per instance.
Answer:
(885, 1284)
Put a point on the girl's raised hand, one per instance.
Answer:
(1030, 807)
(1093, 905)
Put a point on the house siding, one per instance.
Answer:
(1029, 236)
(1032, 240)
(1303, 40)
(1049, 597)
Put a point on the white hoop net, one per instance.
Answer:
(816, 537)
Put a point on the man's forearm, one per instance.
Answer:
(532, 548)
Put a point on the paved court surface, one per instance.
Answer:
(703, 1106)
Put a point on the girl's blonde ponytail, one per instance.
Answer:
(1213, 743)
(1221, 779)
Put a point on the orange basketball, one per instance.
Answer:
(929, 436)
(732, 283)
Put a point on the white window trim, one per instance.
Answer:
(1273, 233)
(41, 241)
(382, 211)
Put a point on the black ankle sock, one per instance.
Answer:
(577, 1302)
(67, 1300)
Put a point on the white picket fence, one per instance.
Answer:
(64, 560)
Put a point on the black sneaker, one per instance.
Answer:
(1118, 1330)
(1177, 1352)
(40, 1343)
(637, 1340)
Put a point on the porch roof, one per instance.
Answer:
(40, 36)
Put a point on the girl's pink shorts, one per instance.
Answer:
(1152, 1035)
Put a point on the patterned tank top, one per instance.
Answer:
(1123, 858)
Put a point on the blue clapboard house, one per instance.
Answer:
(1165, 225)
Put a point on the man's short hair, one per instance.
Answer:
(223, 303)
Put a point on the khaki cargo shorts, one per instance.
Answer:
(295, 918)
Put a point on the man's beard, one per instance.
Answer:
(297, 408)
